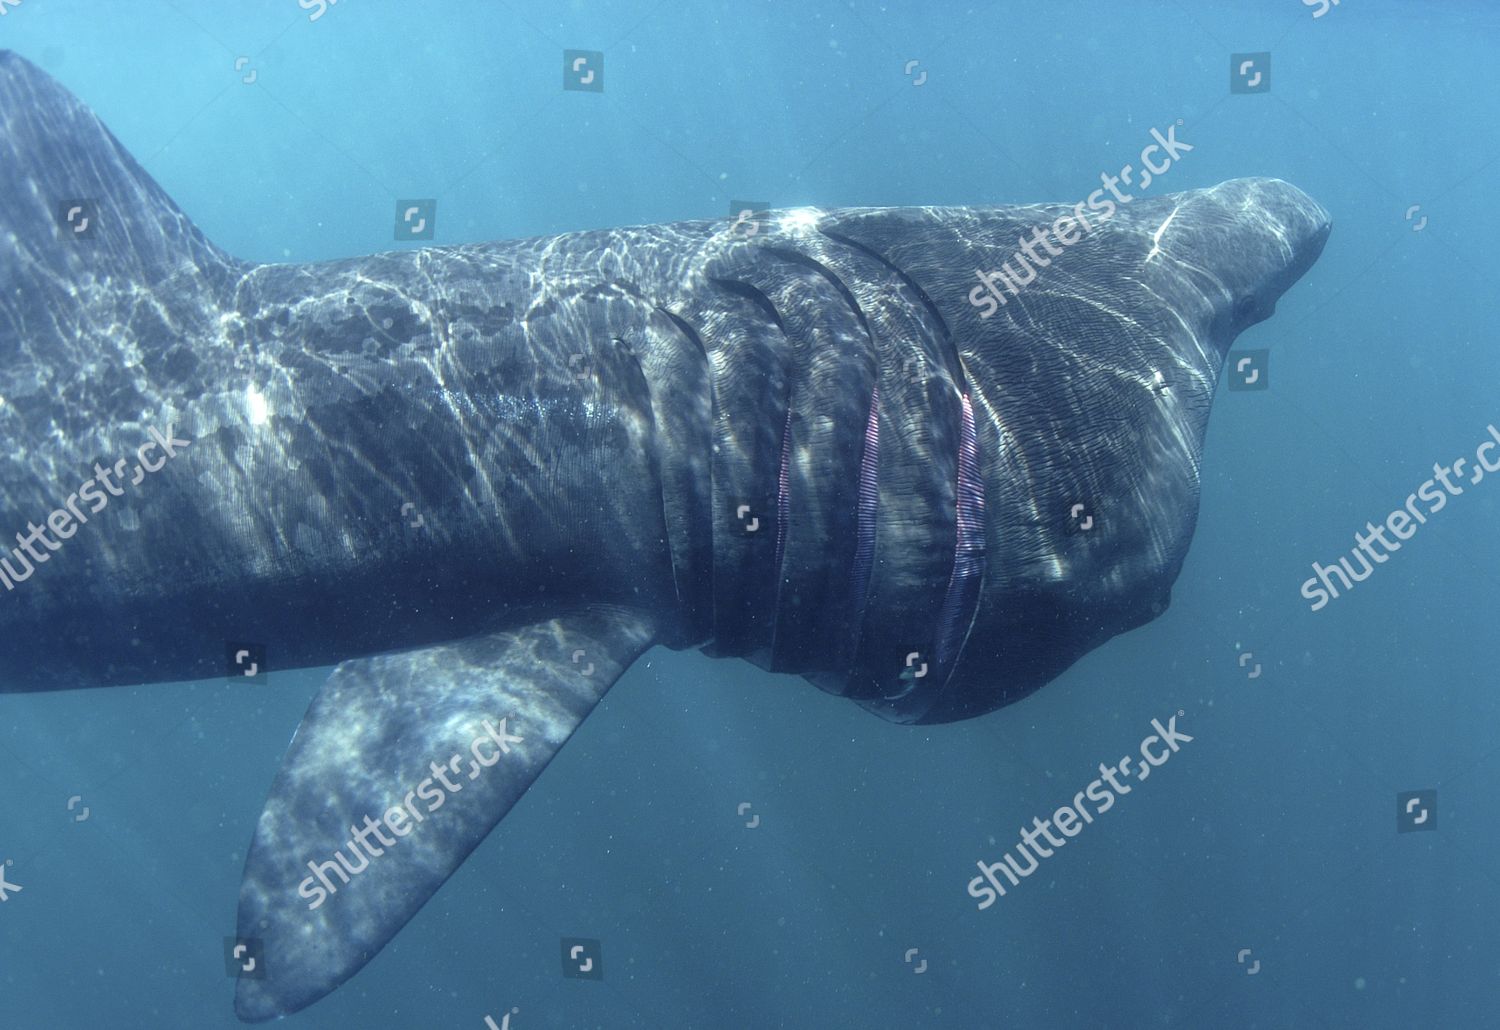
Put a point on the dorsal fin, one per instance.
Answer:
(54, 150)
(126, 280)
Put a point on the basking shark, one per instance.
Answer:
(481, 480)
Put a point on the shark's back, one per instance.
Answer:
(368, 436)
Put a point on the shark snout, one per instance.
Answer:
(1279, 234)
(1304, 223)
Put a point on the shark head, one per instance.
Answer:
(1115, 326)
(1257, 237)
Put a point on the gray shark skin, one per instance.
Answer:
(803, 446)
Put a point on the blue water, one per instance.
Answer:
(1274, 830)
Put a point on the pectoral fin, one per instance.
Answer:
(367, 748)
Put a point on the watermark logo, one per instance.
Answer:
(1251, 371)
(1246, 657)
(583, 71)
(582, 958)
(750, 216)
(1327, 580)
(580, 658)
(1250, 73)
(1080, 518)
(1023, 267)
(1070, 820)
(416, 219)
(1323, 6)
(907, 679)
(245, 958)
(78, 218)
(244, 662)
(913, 368)
(1416, 810)
(64, 522)
(749, 523)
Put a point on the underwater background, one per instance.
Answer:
(749, 851)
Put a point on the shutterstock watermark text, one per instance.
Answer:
(1069, 229)
(64, 521)
(402, 818)
(1070, 820)
(1323, 585)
